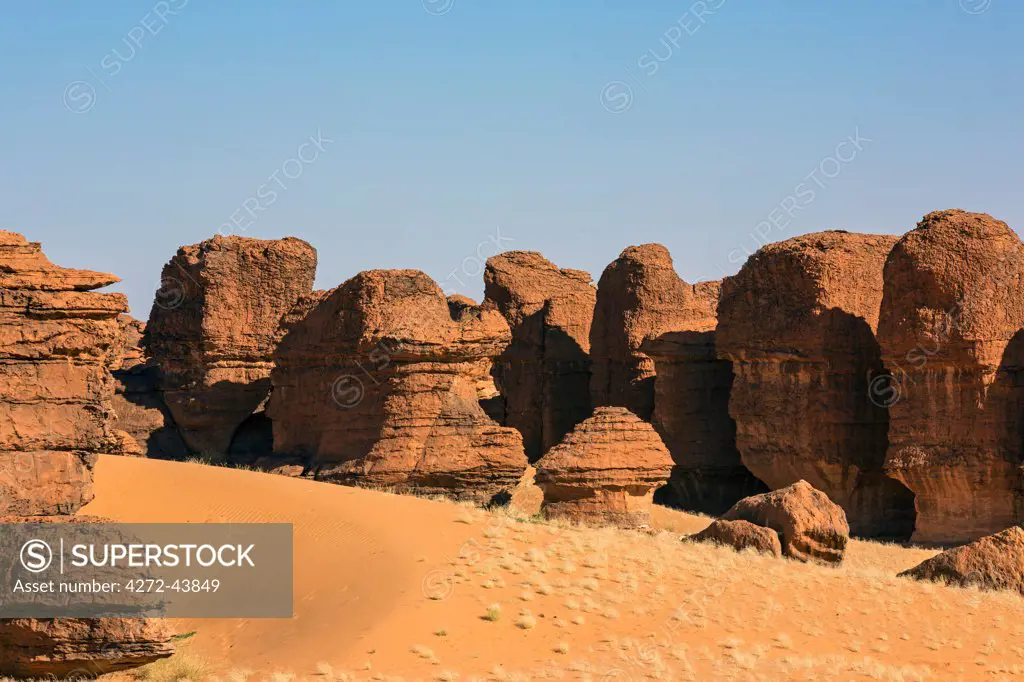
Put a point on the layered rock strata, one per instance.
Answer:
(798, 324)
(376, 385)
(605, 471)
(58, 339)
(951, 334)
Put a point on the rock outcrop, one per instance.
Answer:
(544, 374)
(140, 413)
(605, 471)
(58, 341)
(798, 324)
(80, 648)
(639, 295)
(810, 525)
(214, 326)
(376, 386)
(951, 334)
(994, 562)
(487, 393)
(691, 408)
(741, 535)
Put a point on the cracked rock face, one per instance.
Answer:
(214, 326)
(544, 374)
(376, 384)
(605, 471)
(798, 324)
(57, 339)
(950, 333)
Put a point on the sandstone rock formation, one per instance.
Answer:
(639, 295)
(798, 324)
(691, 408)
(376, 386)
(214, 326)
(85, 647)
(605, 470)
(951, 334)
(57, 342)
(544, 374)
(741, 535)
(138, 404)
(487, 393)
(57, 339)
(811, 526)
(995, 562)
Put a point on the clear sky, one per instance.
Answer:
(449, 128)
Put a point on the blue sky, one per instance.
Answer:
(450, 128)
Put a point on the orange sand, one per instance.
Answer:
(389, 586)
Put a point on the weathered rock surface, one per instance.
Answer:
(691, 408)
(214, 326)
(798, 323)
(605, 470)
(994, 562)
(544, 374)
(57, 339)
(88, 647)
(741, 535)
(810, 525)
(376, 386)
(487, 393)
(950, 332)
(138, 403)
(639, 295)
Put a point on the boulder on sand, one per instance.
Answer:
(741, 535)
(811, 526)
(994, 562)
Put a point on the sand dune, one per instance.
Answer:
(390, 587)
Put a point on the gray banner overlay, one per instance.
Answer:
(153, 570)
